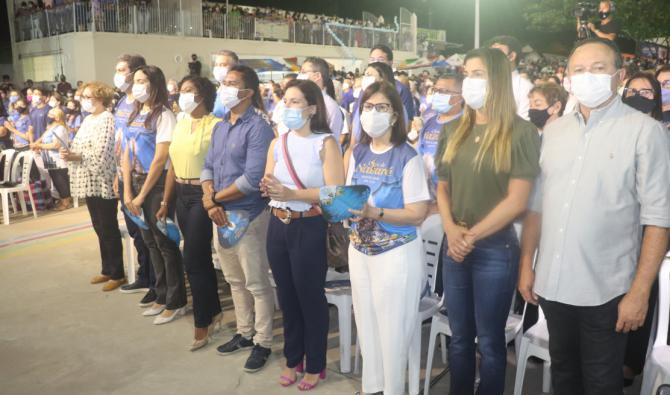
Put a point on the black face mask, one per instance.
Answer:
(21, 110)
(640, 103)
(604, 15)
(539, 117)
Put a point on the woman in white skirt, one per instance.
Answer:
(385, 254)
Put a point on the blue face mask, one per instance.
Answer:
(293, 118)
(13, 99)
(665, 96)
(441, 103)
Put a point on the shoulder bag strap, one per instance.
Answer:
(289, 163)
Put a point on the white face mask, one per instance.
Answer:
(367, 81)
(77, 98)
(187, 102)
(375, 123)
(53, 103)
(591, 90)
(302, 76)
(87, 105)
(474, 92)
(120, 82)
(140, 92)
(228, 95)
(37, 100)
(220, 73)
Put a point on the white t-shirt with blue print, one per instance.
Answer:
(396, 178)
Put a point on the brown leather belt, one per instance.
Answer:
(286, 216)
(188, 181)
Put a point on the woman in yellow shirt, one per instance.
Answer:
(190, 143)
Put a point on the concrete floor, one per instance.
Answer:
(60, 335)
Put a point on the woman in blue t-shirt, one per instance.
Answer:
(385, 254)
(20, 125)
(72, 117)
(147, 136)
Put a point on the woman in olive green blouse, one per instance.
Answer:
(487, 161)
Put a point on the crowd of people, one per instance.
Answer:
(272, 13)
(581, 159)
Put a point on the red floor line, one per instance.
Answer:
(44, 235)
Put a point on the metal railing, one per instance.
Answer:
(124, 16)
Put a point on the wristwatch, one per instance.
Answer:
(381, 212)
(163, 203)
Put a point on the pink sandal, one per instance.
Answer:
(305, 386)
(285, 381)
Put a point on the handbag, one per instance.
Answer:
(337, 237)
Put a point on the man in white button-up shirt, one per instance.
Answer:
(521, 87)
(602, 202)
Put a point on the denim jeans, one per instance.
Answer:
(478, 294)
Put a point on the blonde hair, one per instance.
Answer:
(500, 109)
(59, 116)
(101, 91)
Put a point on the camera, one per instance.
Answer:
(584, 10)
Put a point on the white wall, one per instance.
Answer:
(91, 56)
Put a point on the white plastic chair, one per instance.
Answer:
(432, 234)
(7, 157)
(440, 327)
(534, 343)
(130, 254)
(21, 165)
(657, 366)
(341, 298)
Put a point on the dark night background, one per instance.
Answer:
(454, 16)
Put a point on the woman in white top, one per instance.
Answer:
(54, 138)
(146, 143)
(91, 167)
(296, 241)
(385, 254)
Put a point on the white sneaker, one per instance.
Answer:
(154, 310)
(161, 319)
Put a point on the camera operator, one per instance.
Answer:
(608, 28)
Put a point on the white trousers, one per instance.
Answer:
(386, 289)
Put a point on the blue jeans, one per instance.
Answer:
(478, 294)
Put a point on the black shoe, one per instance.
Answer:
(148, 299)
(133, 288)
(256, 361)
(237, 343)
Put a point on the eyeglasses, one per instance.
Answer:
(380, 107)
(646, 93)
(665, 84)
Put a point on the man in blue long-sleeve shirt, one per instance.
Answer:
(233, 169)
(384, 54)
